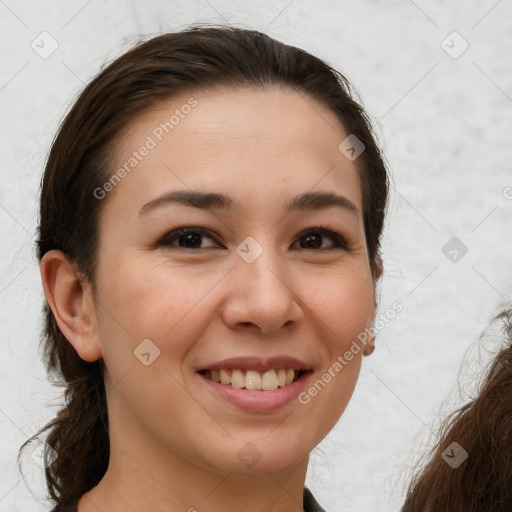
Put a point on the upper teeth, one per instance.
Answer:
(267, 381)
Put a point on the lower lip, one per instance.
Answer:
(256, 400)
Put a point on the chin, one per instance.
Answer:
(261, 456)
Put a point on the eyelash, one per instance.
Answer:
(339, 241)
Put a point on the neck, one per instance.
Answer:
(145, 476)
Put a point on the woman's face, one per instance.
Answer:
(255, 279)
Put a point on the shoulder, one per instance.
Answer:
(310, 503)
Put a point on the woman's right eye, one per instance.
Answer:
(187, 238)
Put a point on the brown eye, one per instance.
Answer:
(186, 238)
(313, 239)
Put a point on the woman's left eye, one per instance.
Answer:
(312, 237)
(191, 238)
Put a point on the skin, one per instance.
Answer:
(174, 444)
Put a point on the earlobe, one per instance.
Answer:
(71, 302)
(369, 347)
(370, 343)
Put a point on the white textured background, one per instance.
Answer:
(445, 125)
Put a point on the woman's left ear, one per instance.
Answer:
(369, 346)
(370, 343)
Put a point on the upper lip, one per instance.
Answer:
(257, 363)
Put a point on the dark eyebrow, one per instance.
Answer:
(195, 198)
(319, 200)
(211, 200)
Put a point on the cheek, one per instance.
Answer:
(157, 303)
(344, 306)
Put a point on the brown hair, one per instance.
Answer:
(199, 57)
(483, 429)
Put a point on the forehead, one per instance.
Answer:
(239, 141)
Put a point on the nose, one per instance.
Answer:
(262, 296)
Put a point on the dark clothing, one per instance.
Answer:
(309, 503)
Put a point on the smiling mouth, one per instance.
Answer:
(269, 380)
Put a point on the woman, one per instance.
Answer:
(210, 225)
(470, 470)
